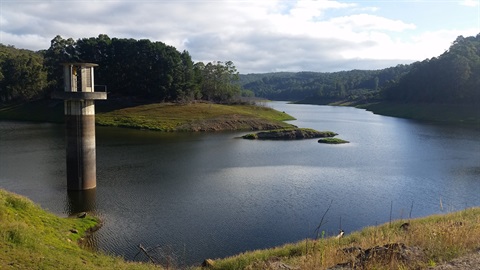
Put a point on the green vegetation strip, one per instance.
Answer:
(159, 116)
(31, 238)
(195, 117)
(332, 141)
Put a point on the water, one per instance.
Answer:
(198, 196)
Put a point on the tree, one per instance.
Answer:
(22, 76)
(219, 81)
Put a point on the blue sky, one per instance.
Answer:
(258, 36)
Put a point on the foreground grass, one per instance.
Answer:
(31, 238)
(195, 117)
(440, 238)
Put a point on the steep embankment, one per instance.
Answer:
(31, 238)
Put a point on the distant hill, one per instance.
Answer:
(323, 87)
(453, 78)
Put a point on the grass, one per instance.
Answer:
(440, 237)
(195, 117)
(31, 238)
(158, 116)
(332, 141)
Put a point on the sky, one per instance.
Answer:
(259, 36)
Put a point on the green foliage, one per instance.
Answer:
(332, 141)
(31, 238)
(137, 69)
(22, 75)
(250, 136)
(453, 77)
(218, 81)
(144, 69)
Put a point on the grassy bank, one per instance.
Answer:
(159, 116)
(423, 243)
(448, 113)
(195, 117)
(31, 238)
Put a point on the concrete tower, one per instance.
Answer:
(79, 96)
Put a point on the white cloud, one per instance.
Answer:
(258, 36)
(367, 22)
(470, 3)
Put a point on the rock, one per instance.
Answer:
(289, 134)
(208, 263)
(383, 255)
(82, 215)
(405, 226)
(332, 141)
(75, 231)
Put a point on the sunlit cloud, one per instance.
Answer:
(258, 36)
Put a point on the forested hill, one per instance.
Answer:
(453, 77)
(139, 69)
(156, 72)
(316, 87)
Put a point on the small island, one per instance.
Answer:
(332, 141)
(289, 134)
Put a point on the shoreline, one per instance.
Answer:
(418, 243)
(164, 117)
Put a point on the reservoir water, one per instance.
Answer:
(211, 195)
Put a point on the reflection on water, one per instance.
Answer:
(81, 201)
(207, 195)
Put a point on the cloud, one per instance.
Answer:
(470, 3)
(258, 36)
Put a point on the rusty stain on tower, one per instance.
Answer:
(79, 96)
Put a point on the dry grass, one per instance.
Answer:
(31, 238)
(427, 241)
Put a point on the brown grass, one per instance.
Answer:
(428, 241)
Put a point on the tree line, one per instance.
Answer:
(140, 69)
(453, 77)
(317, 87)
(157, 72)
